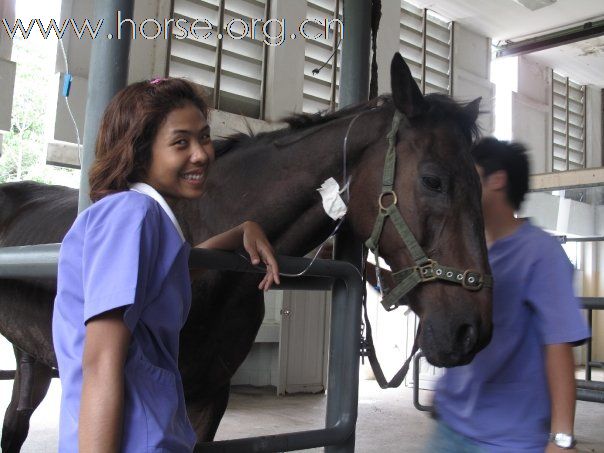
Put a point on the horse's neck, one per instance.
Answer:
(276, 184)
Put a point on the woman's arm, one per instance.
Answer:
(101, 408)
(252, 238)
(560, 372)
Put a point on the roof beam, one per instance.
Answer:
(573, 179)
(547, 41)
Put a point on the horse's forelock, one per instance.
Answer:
(443, 106)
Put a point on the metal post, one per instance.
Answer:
(267, 15)
(588, 352)
(424, 44)
(354, 71)
(218, 60)
(334, 67)
(354, 88)
(567, 129)
(107, 75)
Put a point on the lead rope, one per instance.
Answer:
(367, 347)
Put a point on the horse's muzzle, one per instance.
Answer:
(446, 343)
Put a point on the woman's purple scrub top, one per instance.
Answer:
(127, 250)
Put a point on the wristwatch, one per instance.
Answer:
(563, 440)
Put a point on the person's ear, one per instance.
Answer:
(498, 180)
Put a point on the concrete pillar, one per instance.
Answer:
(471, 72)
(285, 71)
(388, 42)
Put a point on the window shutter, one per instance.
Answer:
(425, 43)
(568, 124)
(238, 60)
(321, 90)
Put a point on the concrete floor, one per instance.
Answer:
(387, 421)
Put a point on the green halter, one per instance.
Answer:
(425, 269)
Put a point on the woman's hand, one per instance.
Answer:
(259, 248)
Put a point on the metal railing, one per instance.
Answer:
(587, 389)
(40, 261)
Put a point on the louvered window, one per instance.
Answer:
(568, 121)
(321, 62)
(426, 44)
(232, 68)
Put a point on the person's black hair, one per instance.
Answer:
(493, 155)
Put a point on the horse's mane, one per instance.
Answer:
(297, 122)
(440, 106)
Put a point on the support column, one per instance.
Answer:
(354, 88)
(107, 75)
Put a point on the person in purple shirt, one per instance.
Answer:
(518, 394)
(124, 289)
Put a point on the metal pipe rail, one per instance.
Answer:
(40, 261)
(590, 304)
(594, 396)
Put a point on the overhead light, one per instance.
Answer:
(534, 5)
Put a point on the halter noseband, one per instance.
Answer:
(425, 269)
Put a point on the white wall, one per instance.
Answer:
(285, 74)
(471, 73)
(594, 127)
(531, 112)
(388, 42)
(148, 58)
(531, 116)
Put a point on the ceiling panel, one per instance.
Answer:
(508, 20)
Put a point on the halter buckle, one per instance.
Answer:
(472, 280)
(383, 194)
(426, 271)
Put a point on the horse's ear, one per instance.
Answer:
(408, 99)
(472, 110)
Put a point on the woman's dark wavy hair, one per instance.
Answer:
(494, 155)
(128, 129)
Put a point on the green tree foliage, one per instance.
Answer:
(23, 147)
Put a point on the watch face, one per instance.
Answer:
(563, 440)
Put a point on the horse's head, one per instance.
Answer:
(436, 190)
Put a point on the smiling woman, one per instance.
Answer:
(123, 286)
(181, 154)
(129, 150)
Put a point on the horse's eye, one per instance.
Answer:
(432, 183)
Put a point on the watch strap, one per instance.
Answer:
(563, 440)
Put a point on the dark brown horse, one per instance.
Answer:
(272, 178)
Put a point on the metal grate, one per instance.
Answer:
(426, 44)
(568, 124)
(231, 69)
(321, 90)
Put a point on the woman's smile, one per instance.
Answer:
(182, 153)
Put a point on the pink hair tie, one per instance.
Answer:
(157, 80)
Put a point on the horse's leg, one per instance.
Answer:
(205, 415)
(29, 388)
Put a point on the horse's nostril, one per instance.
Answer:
(467, 338)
